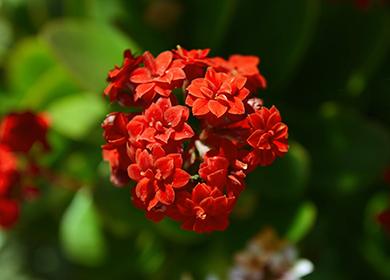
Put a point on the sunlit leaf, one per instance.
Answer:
(88, 49)
(74, 116)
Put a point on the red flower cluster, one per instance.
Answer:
(199, 131)
(19, 133)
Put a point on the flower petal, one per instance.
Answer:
(180, 178)
(216, 108)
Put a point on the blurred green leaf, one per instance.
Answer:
(5, 38)
(88, 49)
(54, 83)
(303, 222)
(373, 246)
(151, 254)
(352, 150)
(81, 234)
(74, 116)
(28, 61)
(295, 167)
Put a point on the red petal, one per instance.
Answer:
(177, 74)
(200, 107)
(216, 108)
(162, 61)
(134, 172)
(254, 138)
(165, 165)
(153, 113)
(185, 133)
(143, 89)
(144, 160)
(200, 192)
(142, 190)
(166, 195)
(180, 178)
(135, 128)
(141, 76)
(148, 134)
(173, 115)
(236, 107)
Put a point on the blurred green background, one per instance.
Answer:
(328, 68)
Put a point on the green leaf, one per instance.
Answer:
(29, 60)
(88, 49)
(303, 222)
(76, 115)
(374, 248)
(81, 234)
(353, 151)
(5, 38)
(295, 167)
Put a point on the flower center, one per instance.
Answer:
(200, 213)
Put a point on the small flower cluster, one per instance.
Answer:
(19, 134)
(199, 130)
(269, 257)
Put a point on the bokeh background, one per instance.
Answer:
(327, 64)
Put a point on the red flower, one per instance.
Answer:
(205, 210)
(269, 136)
(119, 88)
(115, 130)
(218, 94)
(8, 170)
(195, 61)
(160, 123)
(384, 219)
(159, 75)
(115, 150)
(222, 168)
(119, 161)
(244, 65)
(9, 213)
(158, 175)
(20, 131)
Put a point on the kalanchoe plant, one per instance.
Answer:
(200, 130)
(20, 133)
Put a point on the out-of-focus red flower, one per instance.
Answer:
(20, 131)
(158, 175)
(159, 75)
(205, 210)
(217, 94)
(119, 88)
(269, 136)
(9, 212)
(384, 219)
(160, 124)
(244, 65)
(8, 169)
